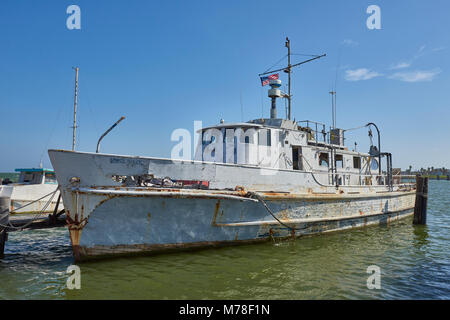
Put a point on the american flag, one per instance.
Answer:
(265, 80)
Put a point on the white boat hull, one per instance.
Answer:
(26, 195)
(148, 222)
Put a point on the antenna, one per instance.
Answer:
(75, 107)
(333, 108)
(242, 109)
(288, 70)
(333, 92)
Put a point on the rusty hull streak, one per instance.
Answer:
(75, 229)
(269, 195)
(330, 196)
(108, 197)
(216, 211)
(193, 195)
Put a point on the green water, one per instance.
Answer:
(414, 262)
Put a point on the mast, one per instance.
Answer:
(75, 107)
(288, 46)
(288, 70)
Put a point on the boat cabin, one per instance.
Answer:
(36, 176)
(288, 145)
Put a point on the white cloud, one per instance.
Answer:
(400, 65)
(416, 76)
(360, 74)
(350, 43)
(438, 49)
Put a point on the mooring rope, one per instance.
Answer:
(37, 215)
(51, 193)
(261, 200)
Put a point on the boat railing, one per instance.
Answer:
(345, 179)
(316, 131)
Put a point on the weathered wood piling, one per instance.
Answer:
(3, 238)
(420, 208)
(4, 218)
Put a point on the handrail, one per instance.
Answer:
(316, 132)
(383, 179)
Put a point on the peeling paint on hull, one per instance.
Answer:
(129, 225)
(103, 251)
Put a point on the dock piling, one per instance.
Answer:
(3, 238)
(53, 218)
(5, 204)
(420, 208)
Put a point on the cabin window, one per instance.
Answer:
(264, 137)
(357, 162)
(28, 177)
(339, 161)
(323, 159)
(50, 178)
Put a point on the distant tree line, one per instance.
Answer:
(430, 171)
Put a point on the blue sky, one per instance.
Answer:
(165, 64)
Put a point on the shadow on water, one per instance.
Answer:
(420, 236)
(414, 263)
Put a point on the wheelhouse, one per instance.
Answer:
(36, 176)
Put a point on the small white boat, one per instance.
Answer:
(33, 191)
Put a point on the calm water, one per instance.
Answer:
(414, 262)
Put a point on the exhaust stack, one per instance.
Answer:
(274, 93)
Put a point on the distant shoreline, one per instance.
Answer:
(13, 176)
(436, 177)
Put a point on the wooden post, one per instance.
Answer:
(52, 217)
(420, 208)
(5, 204)
(3, 238)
